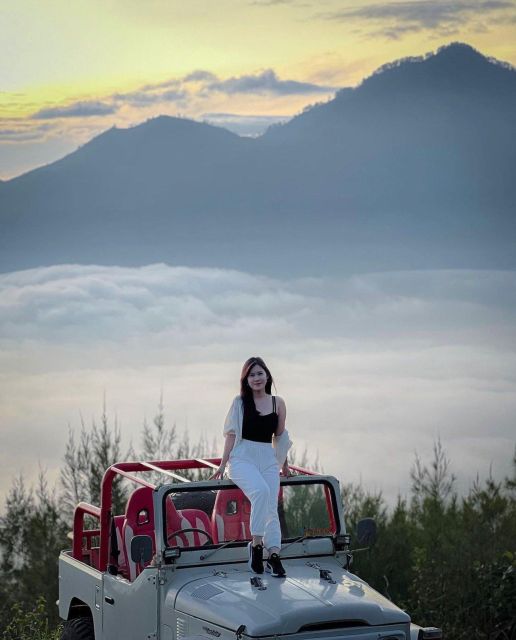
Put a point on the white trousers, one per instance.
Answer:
(254, 469)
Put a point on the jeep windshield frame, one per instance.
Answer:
(133, 472)
(329, 483)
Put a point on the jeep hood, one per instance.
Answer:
(287, 604)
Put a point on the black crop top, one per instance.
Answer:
(258, 427)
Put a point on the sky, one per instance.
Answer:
(70, 70)
(374, 368)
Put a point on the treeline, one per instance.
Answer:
(36, 522)
(449, 560)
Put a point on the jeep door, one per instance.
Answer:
(130, 609)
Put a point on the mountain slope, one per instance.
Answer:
(413, 168)
(444, 121)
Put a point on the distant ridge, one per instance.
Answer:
(413, 168)
(455, 69)
(456, 52)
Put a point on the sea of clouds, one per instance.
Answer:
(373, 367)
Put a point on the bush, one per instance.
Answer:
(449, 561)
(30, 625)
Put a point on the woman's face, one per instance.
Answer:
(257, 378)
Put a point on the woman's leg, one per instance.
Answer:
(272, 537)
(248, 478)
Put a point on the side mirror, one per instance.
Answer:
(141, 549)
(366, 532)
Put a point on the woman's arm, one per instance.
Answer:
(282, 416)
(228, 447)
(232, 430)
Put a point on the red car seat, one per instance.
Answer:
(231, 514)
(139, 520)
(121, 565)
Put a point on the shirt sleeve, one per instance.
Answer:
(233, 422)
(281, 445)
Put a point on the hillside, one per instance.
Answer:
(413, 168)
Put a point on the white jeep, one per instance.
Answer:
(174, 566)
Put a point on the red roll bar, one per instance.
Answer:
(126, 470)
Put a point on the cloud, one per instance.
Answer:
(185, 92)
(380, 364)
(412, 16)
(201, 75)
(20, 135)
(148, 95)
(165, 84)
(145, 98)
(181, 90)
(243, 125)
(22, 130)
(396, 32)
(81, 109)
(265, 82)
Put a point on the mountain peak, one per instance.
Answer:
(161, 132)
(454, 58)
(164, 125)
(450, 81)
(458, 50)
(456, 67)
(174, 123)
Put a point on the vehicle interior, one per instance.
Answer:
(200, 515)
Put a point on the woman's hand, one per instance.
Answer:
(228, 448)
(219, 474)
(285, 471)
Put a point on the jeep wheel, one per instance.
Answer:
(78, 629)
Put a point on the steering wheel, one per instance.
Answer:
(193, 529)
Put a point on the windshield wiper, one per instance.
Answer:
(302, 539)
(214, 551)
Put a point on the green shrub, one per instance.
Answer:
(29, 625)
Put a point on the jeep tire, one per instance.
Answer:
(78, 629)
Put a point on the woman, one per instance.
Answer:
(255, 421)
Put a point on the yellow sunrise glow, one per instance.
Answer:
(59, 54)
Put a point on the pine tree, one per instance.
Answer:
(86, 462)
(32, 534)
